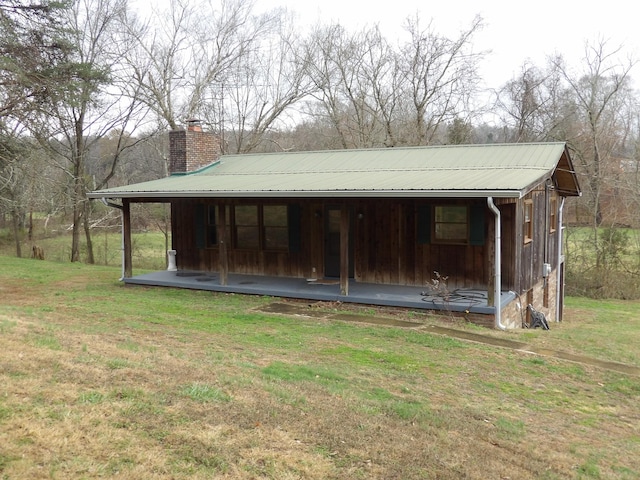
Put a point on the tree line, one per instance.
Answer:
(89, 89)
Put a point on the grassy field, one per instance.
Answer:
(148, 248)
(100, 380)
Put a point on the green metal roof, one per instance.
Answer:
(498, 170)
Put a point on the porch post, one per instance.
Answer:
(126, 234)
(344, 250)
(222, 244)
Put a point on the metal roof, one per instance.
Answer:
(498, 170)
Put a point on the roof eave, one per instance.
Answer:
(314, 194)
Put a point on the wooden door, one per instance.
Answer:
(332, 242)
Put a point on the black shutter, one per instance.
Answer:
(295, 237)
(476, 224)
(212, 222)
(200, 225)
(423, 228)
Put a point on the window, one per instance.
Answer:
(451, 224)
(246, 227)
(261, 227)
(274, 221)
(528, 221)
(553, 214)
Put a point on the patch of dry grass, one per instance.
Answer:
(98, 380)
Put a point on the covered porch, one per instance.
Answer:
(461, 301)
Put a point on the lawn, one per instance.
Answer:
(102, 380)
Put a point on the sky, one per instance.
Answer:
(514, 32)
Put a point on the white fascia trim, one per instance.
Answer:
(315, 194)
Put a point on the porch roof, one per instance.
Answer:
(497, 170)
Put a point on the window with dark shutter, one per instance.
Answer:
(451, 224)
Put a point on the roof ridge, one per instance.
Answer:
(403, 147)
(376, 170)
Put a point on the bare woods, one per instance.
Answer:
(90, 89)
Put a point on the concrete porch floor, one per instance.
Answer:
(460, 300)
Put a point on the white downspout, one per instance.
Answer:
(559, 288)
(119, 207)
(497, 283)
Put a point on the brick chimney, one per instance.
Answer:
(192, 149)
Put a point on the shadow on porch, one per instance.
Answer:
(460, 300)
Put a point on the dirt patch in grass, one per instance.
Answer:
(102, 381)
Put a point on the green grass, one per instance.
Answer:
(205, 393)
(606, 329)
(148, 248)
(147, 383)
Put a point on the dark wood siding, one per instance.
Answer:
(392, 245)
(511, 247)
(543, 247)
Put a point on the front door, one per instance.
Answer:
(332, 216)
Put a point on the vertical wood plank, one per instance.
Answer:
(344, 250)
(222, 244)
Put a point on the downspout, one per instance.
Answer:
(559, 288)
(119, 207)
(497, 283)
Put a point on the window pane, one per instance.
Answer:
(451, 231)
(246, 215)
(247, 237)
(276, 238)
(451, 223)
(274, 215)
(451, 214)
(528, 221)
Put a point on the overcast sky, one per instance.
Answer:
(514, 31)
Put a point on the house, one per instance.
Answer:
(474, 229)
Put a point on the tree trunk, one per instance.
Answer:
(16, 231)
(75, 232)
(30, 235)
(87, 232)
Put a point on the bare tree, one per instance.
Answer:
(441, 78)
(520, 103)
(181, 53)
(355, 78)
(599, 94)
(374, 95)
(258, 94)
